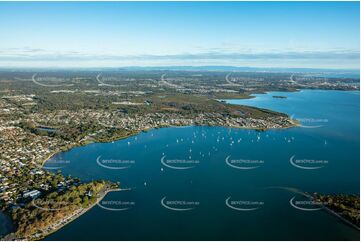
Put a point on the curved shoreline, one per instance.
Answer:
(71, 218)
(294, 123)
(82, 211)
(58, 225)
(76, 214)
(334, 213)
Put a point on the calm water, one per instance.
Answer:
(235, 184)
(5, 224)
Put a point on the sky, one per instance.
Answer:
(117, 34)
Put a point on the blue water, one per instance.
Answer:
(338, 112)
(330, 133)
(6, 226)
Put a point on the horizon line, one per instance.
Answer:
(159, 67)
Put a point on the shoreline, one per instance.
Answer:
(294, 123)
(334, 213)
(344, 220)
(82, 211)
(63, 222)
(77, 213)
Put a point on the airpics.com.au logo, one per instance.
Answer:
(102, 81)
(115, 164)
(307, 205)
(41, 81)
(307, 164)
(243, 205)
(50, 205)
(116, 205)
(311, 123)
(56, 164)
(179, 164)
(108, 124)
(243, 164)
(179, 205)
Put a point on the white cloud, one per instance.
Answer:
(31, 57)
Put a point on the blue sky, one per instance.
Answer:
(257, 34)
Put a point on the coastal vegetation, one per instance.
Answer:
(346, 205)
(39, 120)
(40, 216)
